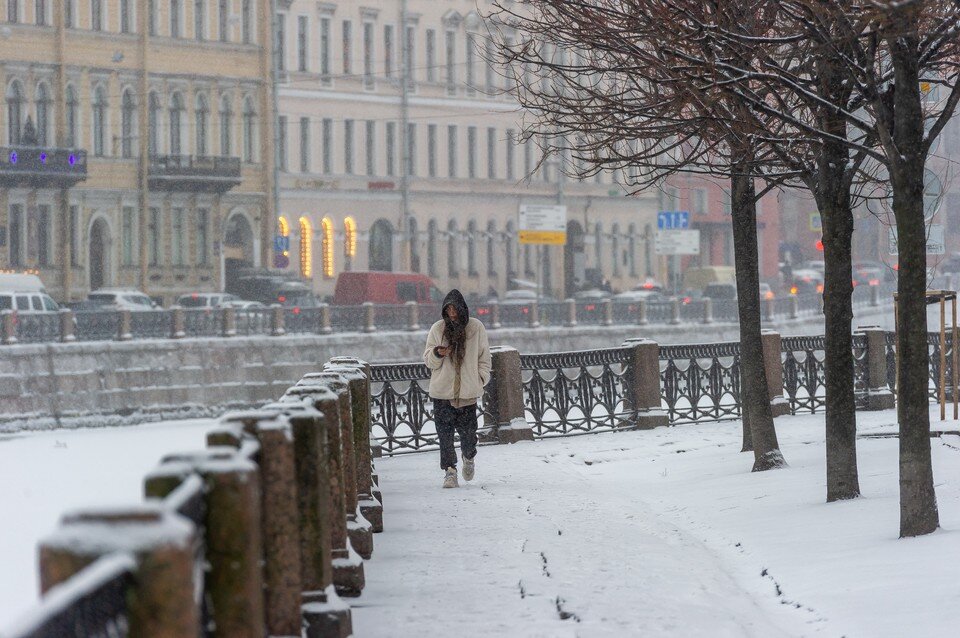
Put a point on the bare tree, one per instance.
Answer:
(602, 85)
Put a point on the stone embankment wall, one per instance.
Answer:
(108, 383)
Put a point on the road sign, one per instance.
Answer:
(677, 242)
(281, 243)
(816, 223)
(935, 242)
(543, 224)
(673, 220)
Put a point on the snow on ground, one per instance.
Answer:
(662, 533)
(43, 474)
(657, 533)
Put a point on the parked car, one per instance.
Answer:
(206, 300)
(25, 293)
(592, 294)
(720, 291)
(518, 297)
(122, 299)
(639, 294)
(868, 273)
(766, 292)
(355, 288)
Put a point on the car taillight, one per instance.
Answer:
(819, 287)
(483, 311)
(768, 295)
(281, 298)
(590, 307)
(296, 310)
(874, 282)
(525, 310)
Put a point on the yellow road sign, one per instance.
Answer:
(546, 237)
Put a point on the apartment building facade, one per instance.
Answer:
(399, 150)
(135, 142)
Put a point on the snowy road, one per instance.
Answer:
(662, 533)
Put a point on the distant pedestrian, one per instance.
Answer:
(458, 355)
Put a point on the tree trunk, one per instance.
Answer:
(918, 500)
(753, 391)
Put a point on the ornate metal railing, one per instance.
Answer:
(254, 321)
(701, 382)
(155, 324)
(302, 320)
(860, 371)
(804, 382)
(575, 392)
(203, 323)
(391, 317)
(97, 325)
(40, 328)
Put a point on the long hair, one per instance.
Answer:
(455, 334)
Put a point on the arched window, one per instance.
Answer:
(615, 249)
(128, 126)
(349, 242)
(472, 248)
(598, 247)
(43, 114)
(326, 247)
(202, 117)
(249, 130)
(511, 249)
(453, 268)
(432, 248)
(412, 232)
(381, 246)
(153, 124)
(632, 250)
(176, 122)
(73, 111)
(491, 248)
(306, 248)
(226, 125)
(14, 112)
(99, 121)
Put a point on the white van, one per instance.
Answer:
(25, 294)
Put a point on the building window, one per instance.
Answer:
(226, 125)
(152, 17)
(432, 248)
(511, 251)
(153, 124)
(615, 249)
(528, 269)
(223, 17)
(74, 235)
(246, 24)
(409, 56)
(99, 121)
(282, 142)
(174, 18)
(391, 147)
(492, 153)
(302, 30)
(281, 42)
(327, 146)
(451, 62)
(16, 235)
(451, 151)
(648, 250)
(202, 115)
(126, 20)
(371, 135)
(200, 19)
(128, 234)
(306, 248)
(472, 248)
(325, 49)
(44, 234)
(348, 147)
(249, 131)
(14, 113)
(453, 269)
(178, 237)
(491, 82)
(13, 11)
(40, 12)
(413, 234)
(176, 122)
(153, 236)
(368, 55)
(527, 159)
(347, 47)
(349, 242)
(381, 246)
(431, 55)
(43, 114)
(471, 64)
(128, 124)
(203, 237)
(96, 15)
(598, 246)
(432, 150)
(491, 248)
(411, 149)
(388, 50)
(326, 247)
(632, 250)
(68, 13)
(304, 144)
(511, 144)
(471, 152)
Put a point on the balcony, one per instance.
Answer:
(37, 167)
(205, 174)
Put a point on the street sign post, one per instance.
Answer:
(677, 242)
(673, 220)
(543, 224)
(935, 240)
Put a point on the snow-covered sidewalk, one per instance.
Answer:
(661, 533)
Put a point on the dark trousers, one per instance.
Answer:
(464, 422)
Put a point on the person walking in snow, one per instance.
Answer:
(458, 356)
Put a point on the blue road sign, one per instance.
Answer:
(280, 243)
(673, 220)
